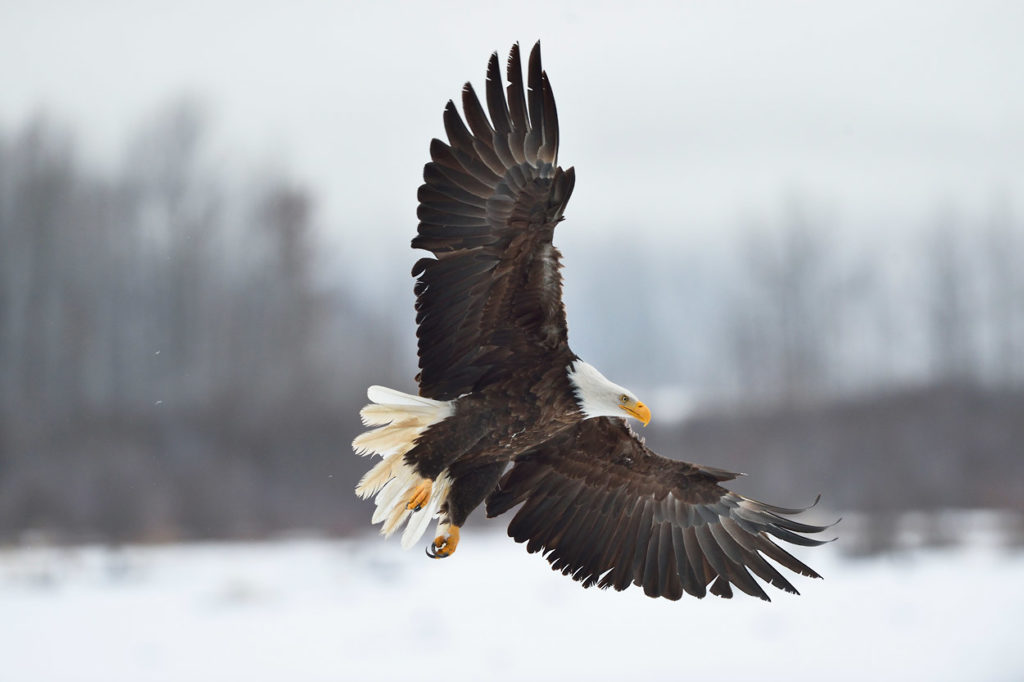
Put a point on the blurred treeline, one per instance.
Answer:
(168, 365)
(173, 364)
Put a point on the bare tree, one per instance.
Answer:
(1002, 245)
(779, 326)
(948, 302)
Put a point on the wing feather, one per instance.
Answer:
(535, 102)
(549, 148)
(608, 511)
(516, 105)
(684, 566)
(669, 582)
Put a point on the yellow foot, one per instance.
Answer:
(419, 495)
(444, 545)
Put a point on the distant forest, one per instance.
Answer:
(173, 367)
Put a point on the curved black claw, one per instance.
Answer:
(431, 551)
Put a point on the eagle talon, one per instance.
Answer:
(433, 552)
(444, 546)
(420, 495)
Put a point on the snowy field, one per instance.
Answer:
(306, 610)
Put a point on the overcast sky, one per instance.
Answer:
(691, 116)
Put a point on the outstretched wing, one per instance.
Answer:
(608, 511)
(491, 297)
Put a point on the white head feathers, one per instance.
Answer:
(599, 397)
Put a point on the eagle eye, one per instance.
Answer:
(624, 398)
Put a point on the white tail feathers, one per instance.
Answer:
(389, 396)
(400, 419)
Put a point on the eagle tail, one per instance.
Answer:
(400, 418)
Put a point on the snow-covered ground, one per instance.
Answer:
(304, 610)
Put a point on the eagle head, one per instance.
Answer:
(599, 397)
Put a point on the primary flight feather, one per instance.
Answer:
(508, 414)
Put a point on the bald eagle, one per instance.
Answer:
(507, 413)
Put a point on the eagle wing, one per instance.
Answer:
(608, 511)
(490, 300)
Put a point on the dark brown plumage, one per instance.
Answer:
(499, 385)
(490, 300)
(608, 511)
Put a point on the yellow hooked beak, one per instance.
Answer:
(637, 410)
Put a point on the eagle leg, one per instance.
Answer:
(444, 545)
(420, 495)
